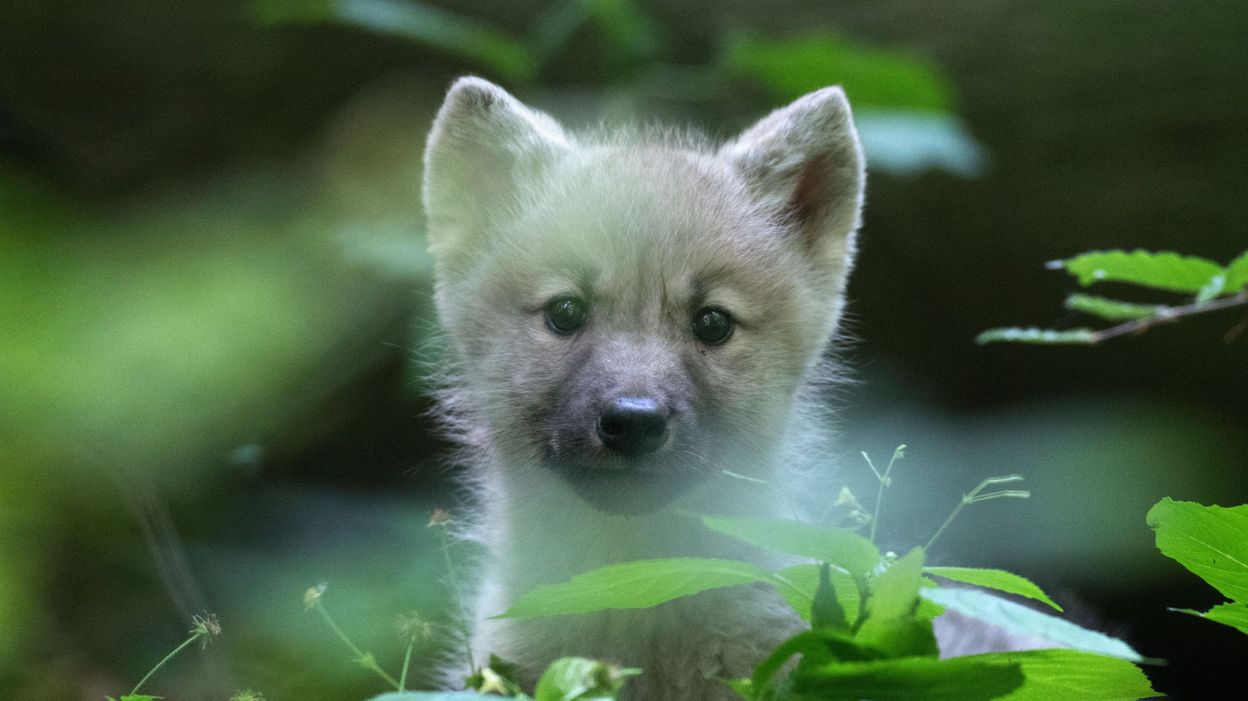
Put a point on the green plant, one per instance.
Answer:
(1211, 542)
(1209, 287)
(206, 628)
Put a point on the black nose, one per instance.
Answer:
(633, 425)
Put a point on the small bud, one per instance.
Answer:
(439, 517)
(413, 628)
(248, 695)
(312, 596)
(206, 627)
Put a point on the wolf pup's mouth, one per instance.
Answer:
(629, 491)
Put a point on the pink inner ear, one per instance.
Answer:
(809, 198)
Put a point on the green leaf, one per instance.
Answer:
(910, 679)
(135, 697)
(1234, 615)
(431, 696)
(1164, 271)
(1016, 618)
(580, 679)
(415, 21)
(1000, 580)
(891, 623)
(1070, 675)
(1110, 309)
(632, 585)
(1211, 541)
(790, 68)
(1038, 336)
(804, 579)
(1237, 274)
(839, 546)
(826, 610)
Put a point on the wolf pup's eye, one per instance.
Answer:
(565, 315)
(712, 326)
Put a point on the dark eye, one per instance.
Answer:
(565, 315)
(712, 326)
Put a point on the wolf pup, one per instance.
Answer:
(638, 325)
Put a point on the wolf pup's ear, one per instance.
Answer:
(804, 163)
(483, 147)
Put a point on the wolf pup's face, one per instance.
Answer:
(636, 314)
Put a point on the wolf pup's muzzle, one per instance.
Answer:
(633, 426)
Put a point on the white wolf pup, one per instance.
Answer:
(637, 322)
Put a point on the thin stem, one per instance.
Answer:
(199, 633)
(977, 495)
(1169, 314)
(363, 658)
(459, 604)
(884, 481)
(407, 661)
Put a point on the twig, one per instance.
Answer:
(1167, 314)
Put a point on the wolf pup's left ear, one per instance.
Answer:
(483, 147)
(804, 163)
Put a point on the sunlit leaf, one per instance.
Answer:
(891, 623)
(839, 546)
(1070, 675)
(1110, 309)
(1000, 580)
(415, 21)
(580, 679)
(631, 585)
(1164, 271)
(1234, 615)
(1237, 274)
(1211, 541)
(1037, 336)
(1016, 618)
(909, 143)
(805, 581)
(911, 679)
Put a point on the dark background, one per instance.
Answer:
(214, 301)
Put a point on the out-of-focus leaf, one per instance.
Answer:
(1234, 615)
(630, 585)
(415, 21)
(790, 68)
(1110, 309)
(580, 679)
(1016, 618)
(630, 34)
(433, 696)
(911, 679)
(826, 610)
(1071, 675)
(1000, 580)
(908, 143)
(1164, 270)
(1211, 541)
(1048, 337)
(805, 581)
(1237, 274)
(839, 546)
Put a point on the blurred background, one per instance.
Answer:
(214, 302)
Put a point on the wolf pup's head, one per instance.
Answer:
(637, 314)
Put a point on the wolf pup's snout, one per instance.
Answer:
(633, 425)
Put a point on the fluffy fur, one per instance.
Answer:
(646, 230)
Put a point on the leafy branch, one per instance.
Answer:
(1213, 287)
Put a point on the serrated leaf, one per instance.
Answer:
(1110, 309)
(1237, 274)
(1163, 271)
(805, 581)
(632, 585)
(1071, 675)
(891, 623)
(432, 696)
(839, 546)
(1234, 615)
(910, 679)
(1000, 580)
(580, 679)
(1037, 336)
(1016, 618)
(1211, 541)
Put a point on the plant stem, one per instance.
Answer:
(884, 482)
(407, 661)
(196, 636)
(364, 659)
(453, 582)
(1168, 314)
(976, 495)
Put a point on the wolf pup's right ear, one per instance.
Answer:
(804, 164)
(483, 147)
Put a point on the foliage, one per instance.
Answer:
(1211, 542)
(1210, 287)
(206, 628)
